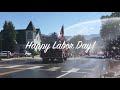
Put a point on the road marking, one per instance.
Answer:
(34, 67)
(63, 75)
(88, 69)
(13, 66)
(10, 72)
(17, 66)
(53, 68)
(72, 70)
(75, 72)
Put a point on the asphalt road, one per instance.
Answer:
(72, 68)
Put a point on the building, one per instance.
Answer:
(28, 34)
(0, 41)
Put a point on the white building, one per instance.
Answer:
(29, 34)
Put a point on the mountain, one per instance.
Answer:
(67, 37)
(98, 40)
(88, 37)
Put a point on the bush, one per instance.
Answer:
(33, 52)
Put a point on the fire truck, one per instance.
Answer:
(59, 55)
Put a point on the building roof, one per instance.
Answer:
(30, 26)
(37, 31)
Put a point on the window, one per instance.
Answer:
(29, 35)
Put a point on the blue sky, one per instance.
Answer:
(48, 22)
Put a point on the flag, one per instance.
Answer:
(62, 32)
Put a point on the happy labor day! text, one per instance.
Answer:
(45, 47)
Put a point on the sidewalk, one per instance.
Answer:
(22, 58)
(95, 56)
(113, 69)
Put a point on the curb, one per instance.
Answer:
(23, 58)
(98, 57)
(112, 60)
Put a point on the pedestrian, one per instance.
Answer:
(7, 54)
(32, 55)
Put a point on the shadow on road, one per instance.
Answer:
(41, 62)
(6, 76)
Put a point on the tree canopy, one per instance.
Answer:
(110, 32)
(77, 38)
(8, 36)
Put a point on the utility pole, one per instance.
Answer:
(1, 40)
(1, 43)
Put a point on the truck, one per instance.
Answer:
(59, 55)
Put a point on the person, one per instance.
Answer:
(7, 54)
(32, 52)
(21, 51)
(32, 55)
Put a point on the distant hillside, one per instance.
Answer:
(67, 37)
(98, 40)
(88, 37)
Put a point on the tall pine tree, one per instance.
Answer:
(9, 36)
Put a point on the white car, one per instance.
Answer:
(6, 54)
(100, 53)
(27, 53)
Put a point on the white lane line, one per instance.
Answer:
(75, 72)
(63, 75)
(72, 70)
(13, 66)
(53, 68)
(88, 69)
(77, 59)
(34, 67)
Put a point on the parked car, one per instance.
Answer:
(27, 53)
(16, 54)
(117, 57)
(7, 54)
(100, 53)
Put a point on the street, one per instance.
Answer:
(80, 67)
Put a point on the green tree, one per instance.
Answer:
(110, 33)
(75, 40)
(9, 36)
(110, 27)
